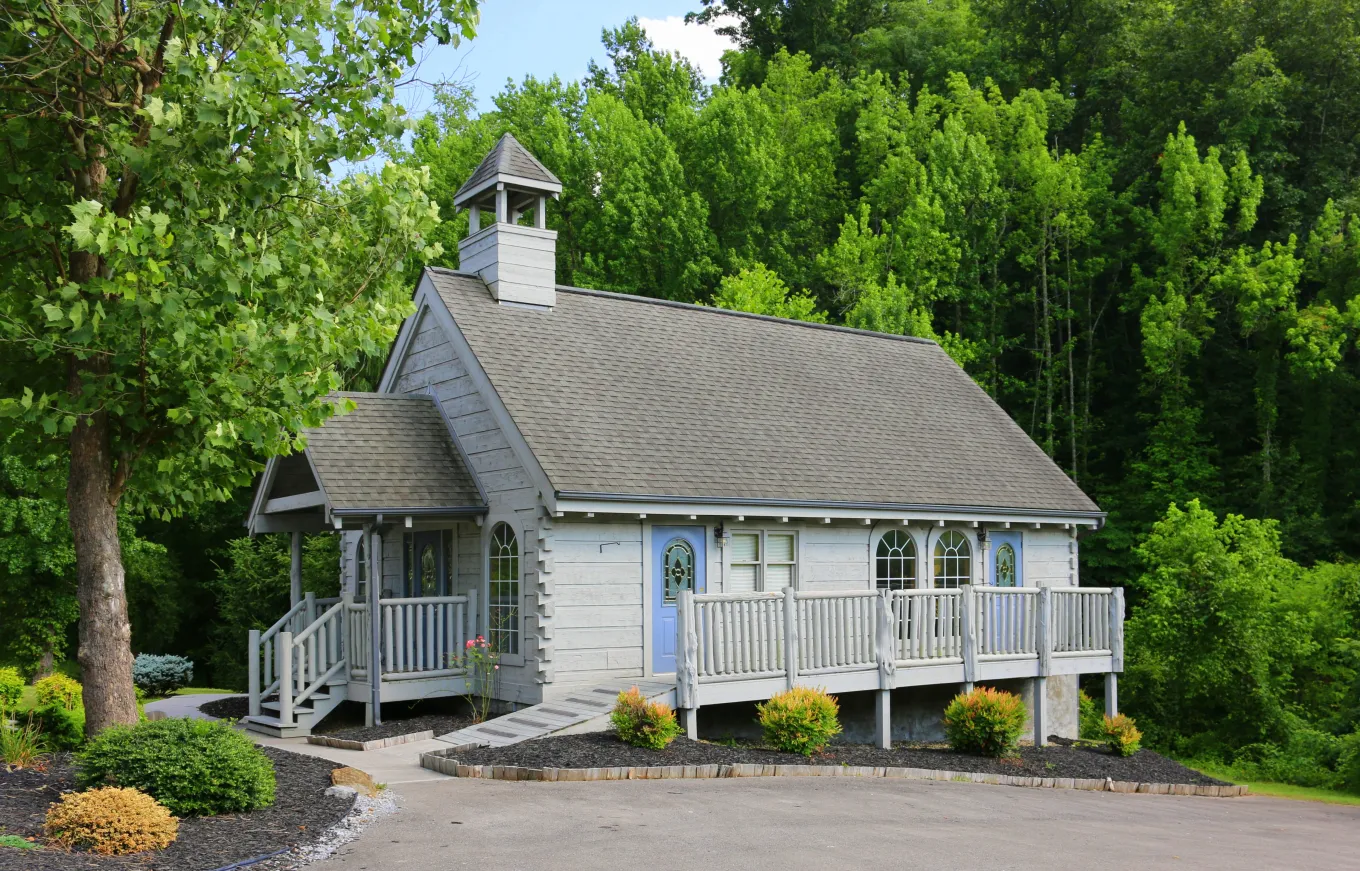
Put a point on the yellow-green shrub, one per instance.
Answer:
(801, 720)
(111, 820)
(1121, 735)
(986, 721)
(643, 723)
(58, 689)
(11, 688)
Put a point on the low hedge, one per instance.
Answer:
(801, 720)
(987, 722)
(193, 767)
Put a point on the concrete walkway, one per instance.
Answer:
(185, 706)
(822, 823)
(584, 708)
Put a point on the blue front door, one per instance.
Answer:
(677, 564)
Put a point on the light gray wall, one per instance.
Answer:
(599, 594)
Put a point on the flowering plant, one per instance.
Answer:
(481, 660)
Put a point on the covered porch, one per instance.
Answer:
(390, 480)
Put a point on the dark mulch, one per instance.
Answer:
(604, 750)
(230, 708)
(301, 814)
(440, 716)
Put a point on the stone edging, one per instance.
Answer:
(375, 744)
(444, 762)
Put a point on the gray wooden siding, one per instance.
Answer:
(432, 363)
(1050, 557)
(598, 600)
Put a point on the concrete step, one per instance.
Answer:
(267, 725)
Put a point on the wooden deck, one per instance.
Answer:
(747, 647)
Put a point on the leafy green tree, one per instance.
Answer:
(758, 290)
(178, 285)
(1212, 646)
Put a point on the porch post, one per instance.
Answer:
(375, 587)
(885, 650)
(1116, 652)
(968, 617)
(686, 665)
(1111, 694)
(253, 679)
(1045, 648)
(295, 570)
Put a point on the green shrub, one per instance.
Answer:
(643, 723)
(11, 688)
(1308, 758)
(801, 720)
(63, 729)
(986, 721)
(1348, 765)
(17, 842)
(159, 675)
(1121, 735)
(59, 689)
(1090, 719)
(193, 767)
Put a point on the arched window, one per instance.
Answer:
(953, 560)
(895, 561)
(1005, 566)
(678, 562)
(503, 596)
(360, 569)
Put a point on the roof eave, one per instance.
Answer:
(638, 502)
(519, 181)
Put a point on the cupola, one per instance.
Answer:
(518, 261)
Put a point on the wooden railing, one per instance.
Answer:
(297, 657)
(823, 638)
(425, 635)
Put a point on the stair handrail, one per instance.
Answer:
(306, 633)
(311, 659)
(260, 654)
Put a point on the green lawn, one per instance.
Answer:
(1280, 790)
(29, 700)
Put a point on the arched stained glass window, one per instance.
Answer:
(895, 561)
(678, 562)
(1005, 566)
(953, 560)
(503, 598)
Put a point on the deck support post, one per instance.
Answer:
(691, 718)
(1111, 694)
(285, 678)
(253, 679)
(375, 586)
(968, 620)
(1040, 685)
(791, 636)
(295, 569)
(883, 718)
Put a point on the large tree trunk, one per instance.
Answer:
(105, 634)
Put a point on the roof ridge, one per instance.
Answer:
(633, 297)
(375, 394)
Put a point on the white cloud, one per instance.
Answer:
(700, 44)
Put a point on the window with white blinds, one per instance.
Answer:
(762, 561)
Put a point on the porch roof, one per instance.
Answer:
(392, 454)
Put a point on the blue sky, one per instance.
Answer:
(518, 38)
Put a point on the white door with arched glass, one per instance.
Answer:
(677, 565)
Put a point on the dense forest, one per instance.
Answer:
(1135, 224)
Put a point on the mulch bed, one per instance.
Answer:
(301, 814)
(440, 716)
(230, 708)
(604, 750)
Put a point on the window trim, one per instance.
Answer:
(506, 659)
(764, 562)
(917, 579)
(972, 557)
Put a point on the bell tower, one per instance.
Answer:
(518, 261)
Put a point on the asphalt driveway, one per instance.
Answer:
(822, 823)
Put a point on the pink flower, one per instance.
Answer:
(496, 667)
(469, 644)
